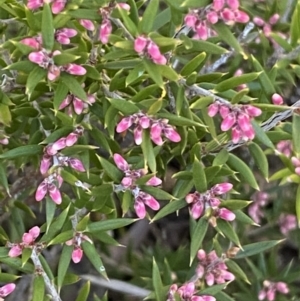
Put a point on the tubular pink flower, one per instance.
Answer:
(76, 164)
(66, 102)
(197, 209)
(31, 42)
(144, 122)
(77, 255)
(7, 289)
(71, 139)
(140, 209)
(78, 105)
(190, 20)
(212, 17)
(202, 31)
(213, 109)
(87, 24)
(59, 144)
(41, 191)
(249, 134)
(258, 21)
(121, 162)
(153, 50)
(226, 214)
(37, 57)
(241, 17)
(210, 279)
(155, 130)
(15, 251)
(243, 121)
(124, 5)
(138, 135)
(222, 188)
(228, 122)
(34, 4)
(53, 72)
(105, 31)
(277, 99)
(236, 134)
(282, 287)
(274, 19)
(228, 15)
(140, 44)
(54, 194)
(233, 4)
(154, 181)
(151, 202)
(224, 111)
(58, 6)
(45, 164)
(124, 124)
(75, 69)
(171, 134)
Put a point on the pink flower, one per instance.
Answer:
(270, 288)
(258, 21)
(34, 4)
(47, 186)
(225, 214)
(77, 254)
(7, 289)
(32, 42)
(140, 44)
(190, 20)
(124, 124)
(218, 4)
(287, 222)
(75, 69)
(15, 251)
(31, 236)
(58, 6)
(142, 199)
(87, 24)
(63, 35)
(121, 162)
(221, 188)
(213, 109)
(105, 31)
(277, 99)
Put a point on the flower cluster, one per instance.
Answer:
(212, 268)
(28, 240)
(57, 5)
(201, 19)
(76, 241)
(145, 46)
(260, 200)
(51, 184)
(237, 118)
(201, 201)
(78, 104)
(158, 127)
(266, 26)
(6, 290)
(284, 147)
(287, 222)
(187, 293)
(270, 288)
(141, 198)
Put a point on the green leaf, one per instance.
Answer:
(35, 77)
(25, 150)
(124, 106)
(146, 24)
(227, 36)
(213, 290)
(84, 292)
(245, 173)
(198, 236)
(74, 86)
(154, 72)
(38, 288)
(157, 193)
(260, 159)
(25, 66)
(61, 238)
(93, 256)
(295, 26)
(129, 24)
(114, 173)
(235, 81)
(256, 248)
(199, 177)
(55, 135)
(65, 58)
(148, 151)
(202, 103)
(3, 178)
(195, 3)
(226, 228)
(63, 265)
(179, 120)
(298, 204)
(295, 131)
(236, 269)
(193, 64)
(108, 225)
(261, 135)
(47, 27)
(235, 204)
(50, 210)
(169, 73)
(169, 208)
(157, 282)
(5, 277)
(89, 14)
(5, 115)
(221, 158)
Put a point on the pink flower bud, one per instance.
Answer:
(221, 188)
(243, 121)
(140, 44)
(69, 32)
(171, 134)
(78, 105)
(66, 102)
(87, 24)
(153, 50)
(4, 141)
(59, 144)
(214, 202)
(154, 181)
(41, 191)
(34, 4)
(121, 162)
(274, 19)
(144, 122)
(105, 31)
(124, 6)
(295, 161)
(227, 15)
(233, 4)
(282, 287)
(213, 109)
(126, 182)
(200, 271)
(7, 289)
(202, 31)
(212, 17)
(76, 164)
(262, 294)
(151, 202)
(45, 164)
(210, 279)
(277, 99)
(139, 208)
(37, 57)
(27, 238)
(236, 134)
(252, 111)
(75, 69)
(218, 4)
(77, 255)
(54, 194)
(15, 251)
(71, 139)
(271, 294)
(156, 130)
(226, 214)
(224, 111)
(31, 42)
(190, 198)
(138, 135)
(190, 20)
(160, 60)
(208, 298)
(201, 255)
(258, 21)
(58, 6)
(197, 209)
(241, 17)
(228, 122)
(124, 124)
(34, 232)
(53, 72)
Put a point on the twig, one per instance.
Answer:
(49, 286)
(119, 24)
(289, 7)
(117, 285)
(291, 55)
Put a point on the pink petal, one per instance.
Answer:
(144, 122)
(228, 15)
(126, 182)
(233, 4)
(210, 279)
(241, 17)
(7, 289)
(171, 134)
(66, 102)
(140, 43)
(121, 162)
(45, 164)
(154, 181)
(34, 4)
(212, 17)
(224, 111)
(35, 232)
(221, 188)
(161, 60)
(105, 31)
(213, 109)
(41, 191)
(76, 164)
(31, 42)
(140, 209)
(218, 4)
(75, 69)
(37, 57)
(138, 135)
(153, 50)
(59, 144)
(228, 122)
(27, 238)
(77, 255)
(277, 99)
(69, 32)
(71, 139)
(202, 31)
(197, 209)
(15, 251)
(78, 105)
(274, 19)
(53, 72)
(88, 24)
(54, 194)
(58, 6)
(151, 202)
(226, 214)
(124, 124)
(190, 20)
(124, 6)
(258, 21)
(62, 39)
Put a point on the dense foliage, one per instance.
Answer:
(149, 149)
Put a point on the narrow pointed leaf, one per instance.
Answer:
(47, 27)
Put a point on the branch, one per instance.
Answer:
(289, 7)
(49, 286)
(117, 285)
(119, 24)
